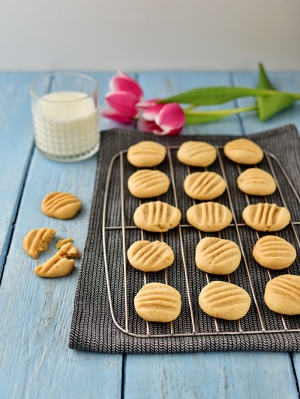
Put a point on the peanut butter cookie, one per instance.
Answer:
(266, 217)
(158, 303)
(243, 151)
(197, 153)
(61, 205)
(146, 154)
(224, 300)
(282, 294)
(204, 185)
(60, 264)
(209, 216)
(274, 252)
(156, 216)
(38, 240)
(217, 256)
(150, 256)
(255, 181)
(147, 183)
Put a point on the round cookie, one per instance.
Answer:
(282, 294)
(196, 153)
(204, 185)
(147, 183)
(146, 154)
(37, 241)
(209, 216)
(224, 300)
(243, 151)
(150, 256)
(217, 256)
(255, 181)
(156, 216)
(274, 252)
(266, 217)
(61, 205)
(158, 303)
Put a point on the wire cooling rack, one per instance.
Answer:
(123, 281)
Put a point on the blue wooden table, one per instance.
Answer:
(35, 361)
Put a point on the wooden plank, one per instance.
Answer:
(231, 375)
(284, 81)
(205, 375)
(36, 313)
(15, 149)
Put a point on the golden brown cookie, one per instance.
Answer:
(156, 216)
(62, 242)
(255, 181)
(197, 153)
(147, 183)
(38, 240)
(217, 256)
(282, 294)
(209, 216)
(243, 151)
(204, 185)
(266, 217)
(224, 300)
(150, 256)
(60, 264)
(61, 205)
(274, 252)
(158, 302)
(146, 154)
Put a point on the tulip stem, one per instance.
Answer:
(195, 117)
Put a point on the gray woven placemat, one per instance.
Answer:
(92, 327)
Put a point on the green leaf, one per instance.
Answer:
(270, 106)
(215, 95)
(263, 80)
(195, 117)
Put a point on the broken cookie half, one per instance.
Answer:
(61, 264)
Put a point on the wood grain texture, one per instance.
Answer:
(233, 375)
(36, 313)
(15, 149)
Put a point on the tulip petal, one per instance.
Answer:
(152, 112)
(123, 102)
(123, 82)
(142, 105)
(115, 116)
(148, 126)
(170, 119)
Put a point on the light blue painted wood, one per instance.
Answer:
(284, 81)
(15, 149)
(165, 84)
(36, 313)
(217, 375)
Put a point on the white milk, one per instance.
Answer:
(66, 125)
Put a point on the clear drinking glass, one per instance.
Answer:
(65, 116)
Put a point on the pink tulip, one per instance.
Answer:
(123, 98)
(162, 119)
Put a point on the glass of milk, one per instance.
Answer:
(65, 116)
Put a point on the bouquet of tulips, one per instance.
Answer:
(168, 117)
